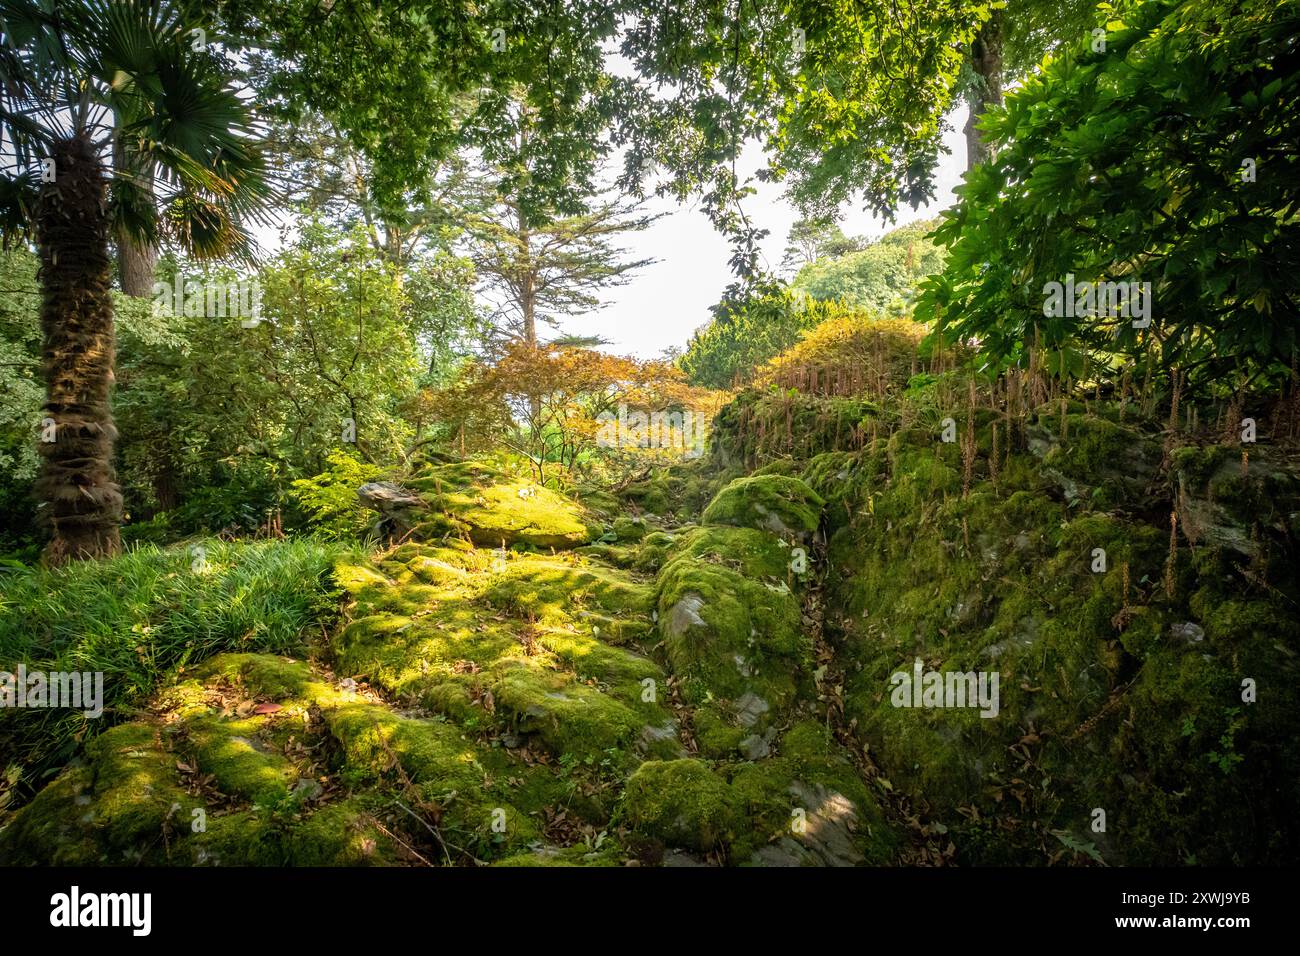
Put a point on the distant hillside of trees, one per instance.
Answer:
(880, 277)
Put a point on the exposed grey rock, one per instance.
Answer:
(399, 507)
(755, 747)
(684, 615)
(308, 789)
(749, 708)
(653, 737)
(827, 839)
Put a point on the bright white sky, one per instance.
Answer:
(666, 302)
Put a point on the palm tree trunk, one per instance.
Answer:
(77, 488)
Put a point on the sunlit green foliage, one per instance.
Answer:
(748, 328)
(880, 277)
(1167, 157)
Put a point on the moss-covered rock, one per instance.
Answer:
(1107, 462)
(731, 622)
(681, 802)
(808, 806)
(474, 501)
(780, 504)
(805, 806)
(1111, 694)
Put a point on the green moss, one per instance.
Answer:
(845, 480)
(263, 675)
(580, 855)
(812, 781)
(679, 802)
(489, 507)
(240, 838)
(599, 501)
(524, 684)
(136, 786)
(630, 529)
(374, 739)
(618, 555)
(1196, 465)
(758, 427)
(729, 619)
(572, 718)
(343, 834)
(565, 592)
(242, 761)
(655, 547)
(777, 503)
(125, 806)
(524, 644)
(1116, 460)
(679, 489)
(716, 731)
(55, 828)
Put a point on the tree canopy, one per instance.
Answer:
(1166, 155)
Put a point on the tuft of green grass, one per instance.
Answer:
(139, 617)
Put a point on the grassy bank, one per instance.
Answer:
(141, 616)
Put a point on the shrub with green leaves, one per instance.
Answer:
(330, 498)
(749, 327)
(1166, 152)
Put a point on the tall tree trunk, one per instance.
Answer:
(527, 286)
(986, 59)
(136, 262)
(528, 306)
(77, 487)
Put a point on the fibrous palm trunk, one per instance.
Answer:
(77, 488)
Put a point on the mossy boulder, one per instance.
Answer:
(731, 621)
(805, 806)
(1242, 499)
(1090, 456)
(808, 806)
(680, 802)
(483, 504)
(779, 504)
(630, 529)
